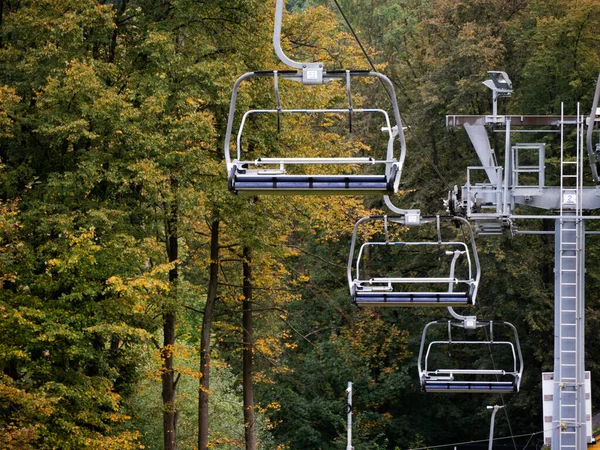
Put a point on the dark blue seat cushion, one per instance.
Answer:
(412, 298)
(468, 386)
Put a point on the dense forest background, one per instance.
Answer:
(144, 306)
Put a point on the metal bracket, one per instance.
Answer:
(411, 216)
(501, 86)
(312, 72)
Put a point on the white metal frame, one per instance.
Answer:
(456, 249)
(471, 379)
(396, 142)
(313, 73)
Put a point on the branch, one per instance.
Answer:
(291, 326)
(155, 342)
(229, 246)
(258, 288)
(191, 308)
(302, 44)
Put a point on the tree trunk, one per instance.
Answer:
(249, 421)
(203, 393)
(169, 382)
(1, 20)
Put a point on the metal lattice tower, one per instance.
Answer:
(569, 383)
(495, 205)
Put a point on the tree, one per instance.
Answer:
(205, 340)
(108, 131)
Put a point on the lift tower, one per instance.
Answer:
(495, 197)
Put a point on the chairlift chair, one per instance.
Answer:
(435, 377)
(269, 175)
(457, 286)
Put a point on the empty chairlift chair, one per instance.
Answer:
(387, 271)
(485, 357)
(291, 173)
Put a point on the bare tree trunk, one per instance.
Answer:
(169, 382)
(1, 20)
(203, 393)
(249, 420)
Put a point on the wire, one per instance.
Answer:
(501, 395)
(401, 88)
(475, 442)
(531, 435)
(339, 7)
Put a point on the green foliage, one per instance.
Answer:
(111, 123)
(145, 407)
(102, 106)
(559, 54)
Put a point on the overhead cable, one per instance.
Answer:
(372, 65)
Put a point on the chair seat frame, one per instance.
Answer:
(256, 176)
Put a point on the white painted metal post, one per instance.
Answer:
(349, 407)
(495, 410)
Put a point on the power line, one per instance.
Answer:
(478, 441)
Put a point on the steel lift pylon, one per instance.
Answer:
(494, 206)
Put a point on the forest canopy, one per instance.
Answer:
(143, 305)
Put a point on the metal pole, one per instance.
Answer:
(495, 410)
(277, 38)
(507, 169)
(349, 406)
